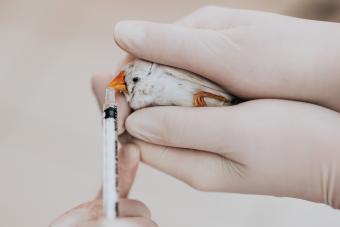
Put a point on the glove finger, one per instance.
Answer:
(129, 160)
(202, 170)
(169, 44)
(192, 128)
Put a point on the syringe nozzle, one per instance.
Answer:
(110, 98)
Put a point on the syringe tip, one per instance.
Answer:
(110, 97)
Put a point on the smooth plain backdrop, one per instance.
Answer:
(50, 125)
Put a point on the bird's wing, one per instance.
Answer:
(191, 77)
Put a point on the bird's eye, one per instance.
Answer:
(135, 79)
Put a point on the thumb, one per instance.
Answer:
(167, 44)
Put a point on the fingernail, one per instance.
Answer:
(129, 34)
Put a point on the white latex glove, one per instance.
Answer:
(133, 214)
(251, 54)
(269, 147)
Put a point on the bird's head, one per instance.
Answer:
(132, 78)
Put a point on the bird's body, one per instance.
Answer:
(149, 84)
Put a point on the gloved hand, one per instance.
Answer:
(271, 147)
(251, 54)
(133, 214)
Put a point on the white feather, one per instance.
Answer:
(164, 85)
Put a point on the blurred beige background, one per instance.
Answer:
(50, 135)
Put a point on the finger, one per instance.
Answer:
(193, 128)
(200, 170)
(128, 165)
(93, 211)
(169, 44)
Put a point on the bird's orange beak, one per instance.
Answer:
(118, 82)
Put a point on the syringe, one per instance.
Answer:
(110, 156)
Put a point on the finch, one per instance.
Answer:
(147, 84)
